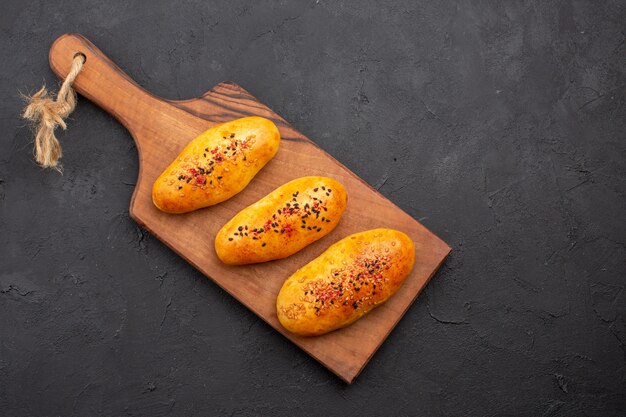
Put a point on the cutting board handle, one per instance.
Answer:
(104, 83)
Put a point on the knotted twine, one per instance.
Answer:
(46, 113)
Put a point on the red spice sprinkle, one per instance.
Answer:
(280, 222)
(352, 285)
(217, 155)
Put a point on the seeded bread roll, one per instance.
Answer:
(216, 165)
(344, 283)
(283, 222)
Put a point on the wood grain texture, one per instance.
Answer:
(161, 129)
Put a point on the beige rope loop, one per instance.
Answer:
(45, 114)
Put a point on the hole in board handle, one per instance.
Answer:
(80, 54)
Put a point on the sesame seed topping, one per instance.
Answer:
(353, 284)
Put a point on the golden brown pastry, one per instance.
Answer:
(216, 165)
(344, 283)
(280, 224)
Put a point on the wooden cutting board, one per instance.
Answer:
(161, 128)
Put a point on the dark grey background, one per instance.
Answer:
(501, 127)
